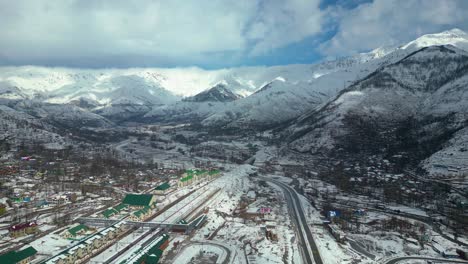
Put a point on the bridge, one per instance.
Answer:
(163, 225)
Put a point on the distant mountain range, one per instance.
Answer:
(420, 86)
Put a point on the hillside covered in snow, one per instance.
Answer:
(407, 111)
(371, 103)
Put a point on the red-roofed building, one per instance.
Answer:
(23, 229)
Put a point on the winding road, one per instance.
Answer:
(310, 249)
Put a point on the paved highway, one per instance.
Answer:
(310, 249)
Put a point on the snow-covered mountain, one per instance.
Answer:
(154, 85)
(219, 93)
(271, 95)
(414, 107)
(455, 37)
(285, 98)
(279, 101)
(17, 128)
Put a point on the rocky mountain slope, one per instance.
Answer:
(406, 110)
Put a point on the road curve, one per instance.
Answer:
(226, 259)
(444, 260)
(305, 235)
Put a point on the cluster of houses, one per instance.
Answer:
(110, 212)
(23, 256)
(141, 205)
(141, 214)
(32, 200)
(138, 207)
(196, 175)
(80, 251)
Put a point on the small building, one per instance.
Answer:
(139, 201)
(23, 229)
(74, 231)
(120, 207)
(213, 174)
(185, 181)
(23, 256)
(108, 213)
(141, 214)
(162, 189)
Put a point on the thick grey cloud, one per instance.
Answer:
(211, 33)
(169, 32)
(392, 22)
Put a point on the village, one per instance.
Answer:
(42, 198)
(52, 213)
(102, 206)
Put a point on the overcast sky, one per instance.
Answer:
(211, 33)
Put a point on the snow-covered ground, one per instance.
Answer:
(198, 250)
(246, 237)
(51, 244)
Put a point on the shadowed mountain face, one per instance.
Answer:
(414, 108)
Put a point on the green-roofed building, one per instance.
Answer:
(150, 255)
(162, 188)
(195, 175)
(109, 212)
(74, 231)
(185, 181)
(140, 200)
(141, 214)
(153, 258)
(186, 178)
(121, 207)
(22, 256)
(212, 174)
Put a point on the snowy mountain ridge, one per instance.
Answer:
(414, 108)
(155, 93)
(62, 85)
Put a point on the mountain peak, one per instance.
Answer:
(456, 37)
(217, 93)
(455, 31)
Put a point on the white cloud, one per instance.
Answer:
(384, 22)
(279, 23)
(122, 33)
(48, 30)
